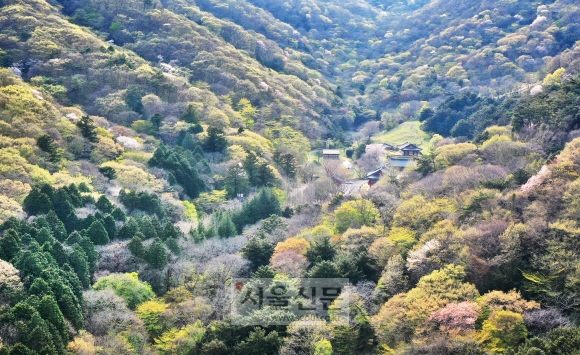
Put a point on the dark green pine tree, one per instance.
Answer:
(157, 120)
(321, 250)
(74, 237)
(268, 204)
(104, 205)
(97, 233)
(264, 176)
(250, 164)
(59, 254)
(44, 235)
(40, 288)
(258, 343)
(324, 270)
(258, 251)
(287, 163)
(108, 172)
(18, 349)
(47, 145)
(56, 226)
(90, 252)
(226, 227)
(119, 215)
(129, 229)
(63, 206)
(190, 115)
(264, 272)
(171, 231)
(236, 181)
(110, 226)
(215, 140)
(157, 255)
(71, 310)
(79, 263)
(173, 245)
(36, 203)
(50, 312)
(136, 246)
(38, 336)
(88, 129)
(148, 228)
(10, 245)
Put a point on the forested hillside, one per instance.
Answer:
(152, 152)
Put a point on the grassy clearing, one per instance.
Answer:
(406, 132)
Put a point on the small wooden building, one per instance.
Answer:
(410, 149)
(374, 176)
(331, 154)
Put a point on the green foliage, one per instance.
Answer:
(263, 205)
(104, 204)
(88, 129)
(47, 145)
(144, 201)
(258, 252)
(259, 172)
(355, 214)
(127, 286)
(97, 233)
(108, 172)
(236, 181)
(136, 247)
(181, 167)
(504, 329)
(157, 255)
(215, 140)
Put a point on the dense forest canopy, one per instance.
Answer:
(153, 152)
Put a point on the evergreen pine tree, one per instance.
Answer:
(119, 215)
(74, 237)
(171, 231)
(108, 172)
(79, 263)
(157, 120)
(38, 337)
(147, 227)
(57, 227)
(44, 235)
(173, 245)
(110, 226)
(88, 129)
(90, 252)
(264, 272)
(97, 233)
(190, 115)
(37, 202)
(136, 246)
(47, 145)
(324, 270)
(129, 229)
(157, 255)
(215, 140)
(235, 181)
(226, 227)
(59, 254)
(10, 245)
(104, 205)
(71, 310)
(321, 250)
(258, 251)
(50, 312)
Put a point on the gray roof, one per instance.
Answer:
(409, 146)
(331, 152)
